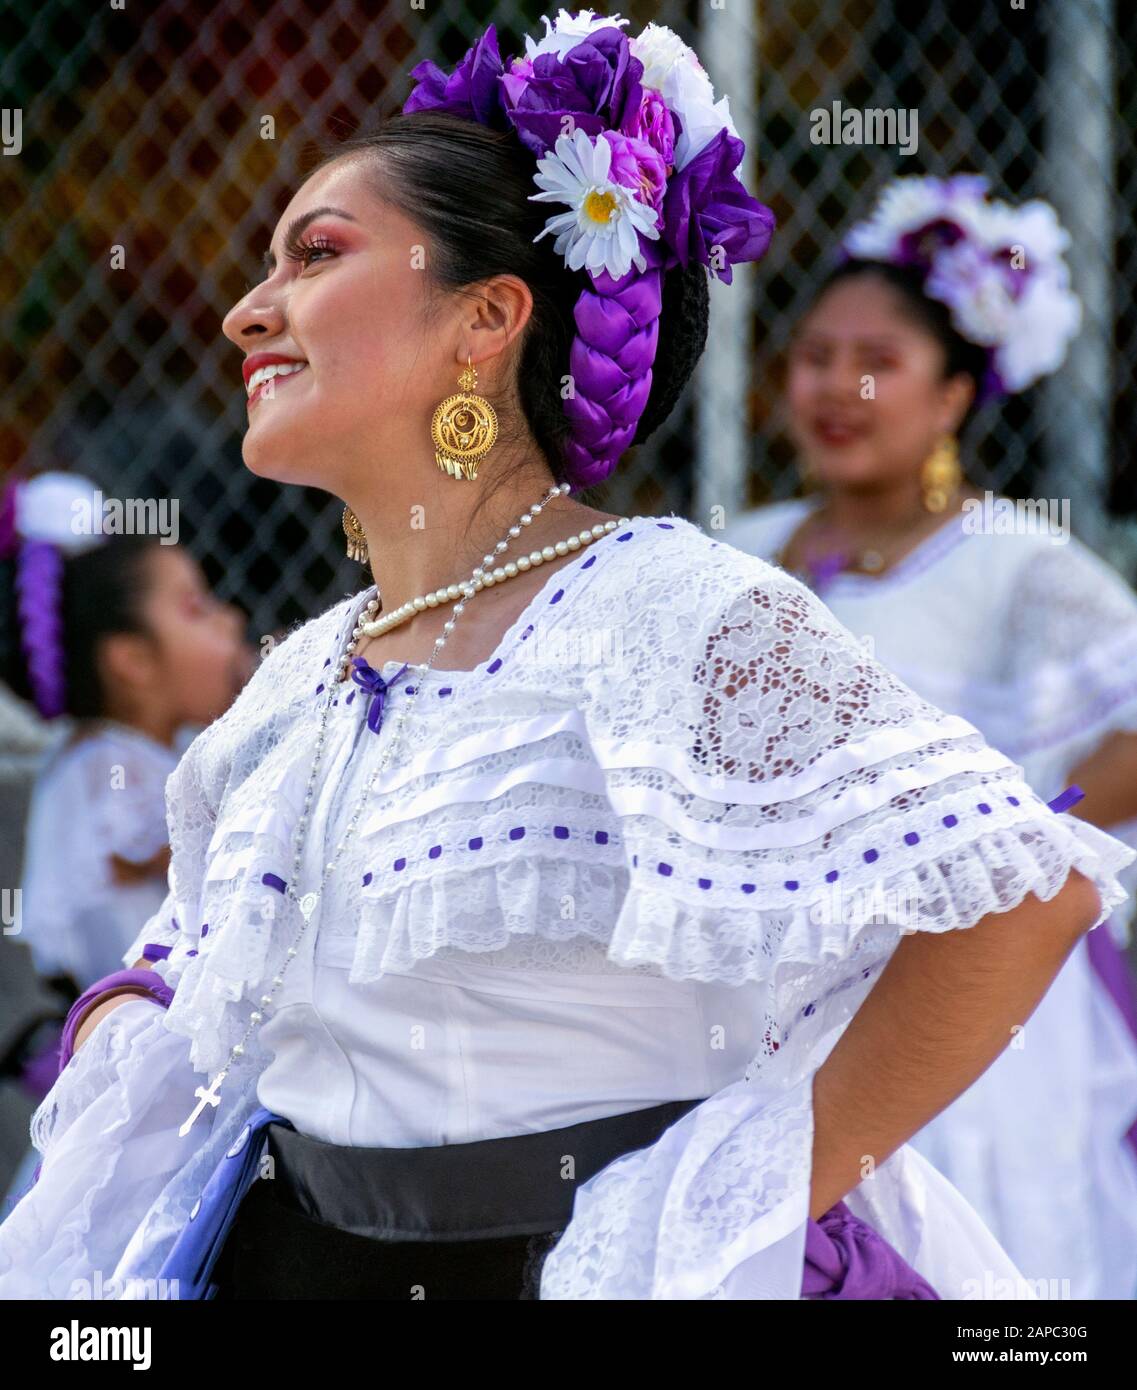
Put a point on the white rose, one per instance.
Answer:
(567, 31)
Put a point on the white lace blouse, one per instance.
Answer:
(600, 875)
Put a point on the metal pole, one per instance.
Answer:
(1080, 99)
(728, 45)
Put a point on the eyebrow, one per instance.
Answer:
(299, 225)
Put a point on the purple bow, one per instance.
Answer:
(845, 1258)
(370, 680)
(825, 568)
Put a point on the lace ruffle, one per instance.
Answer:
(743, 796)
(117, 1179)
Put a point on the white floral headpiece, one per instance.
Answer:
(998, 268)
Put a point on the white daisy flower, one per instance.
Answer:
(567, 31)
(601, 230)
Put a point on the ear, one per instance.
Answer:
(494, 313)
(956, 396)
(126, 661)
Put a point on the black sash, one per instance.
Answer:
(471, 1220)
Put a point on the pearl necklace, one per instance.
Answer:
(307, 903)
(483, 577)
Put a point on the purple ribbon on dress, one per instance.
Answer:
(823, 569)
(845, 1258)
(1064, 800)
(370, 680)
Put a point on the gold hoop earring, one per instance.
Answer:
(941, 474)
(464, 428)
(356, 538)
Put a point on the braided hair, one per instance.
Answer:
(93, 595)
(485, 225)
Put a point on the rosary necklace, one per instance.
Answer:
(482, 577)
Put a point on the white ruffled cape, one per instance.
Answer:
(783, 810)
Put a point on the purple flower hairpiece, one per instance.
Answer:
(628, 136)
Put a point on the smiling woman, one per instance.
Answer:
(430, 929)
(1033, 642)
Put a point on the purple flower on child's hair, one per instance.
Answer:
(638, 166)
(653, 122)
(707, 207)
(472, 91)
(594, 87)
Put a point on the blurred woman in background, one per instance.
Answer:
(120, 638)
(944, 299)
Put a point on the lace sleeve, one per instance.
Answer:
(789, 807)
(1071, 653)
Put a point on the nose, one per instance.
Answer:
(257, 314)
(842, 377)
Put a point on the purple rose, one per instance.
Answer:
(473, 89)
(707, 207)
(638, 166)
(597, 84)
(651, 121)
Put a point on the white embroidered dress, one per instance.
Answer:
(1035, 643)
(584, 887)
(101, 795)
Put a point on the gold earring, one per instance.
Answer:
(356, 539)
(464, 428)
(941, 473)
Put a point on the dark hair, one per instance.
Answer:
(103, 592)
(927, 313)
(468, 185)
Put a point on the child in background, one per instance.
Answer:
(121, 636)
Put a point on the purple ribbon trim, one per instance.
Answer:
(1064, 800)
(845, 1258)
(373, 683)
(147, 980)
(1115, 976)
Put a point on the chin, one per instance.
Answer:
(276, 464)
(846, 469)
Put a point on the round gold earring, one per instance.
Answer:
(356, 539)
(941, 474)
(464, 428)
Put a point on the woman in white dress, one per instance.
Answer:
(997, 615)
(503, 947)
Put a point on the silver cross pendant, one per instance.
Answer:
(206, 1097)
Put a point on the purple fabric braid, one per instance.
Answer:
(39, 589)
(617, 332)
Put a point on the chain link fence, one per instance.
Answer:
(148, 181)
